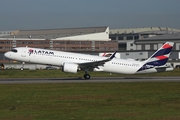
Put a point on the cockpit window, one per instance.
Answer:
(14, 50)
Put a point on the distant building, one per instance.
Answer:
(135, 43)
(141, 43)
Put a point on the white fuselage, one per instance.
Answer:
(58, 58)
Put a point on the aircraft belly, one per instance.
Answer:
(121, 69)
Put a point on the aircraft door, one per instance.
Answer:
(23, 54)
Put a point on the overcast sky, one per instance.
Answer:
(51, 14)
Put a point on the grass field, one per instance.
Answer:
(79, 101)
(99, 101)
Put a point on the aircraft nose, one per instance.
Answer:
(7, 55)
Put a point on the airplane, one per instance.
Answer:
(74, 62)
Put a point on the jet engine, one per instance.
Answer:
(70, 67)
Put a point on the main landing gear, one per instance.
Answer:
(86, 75)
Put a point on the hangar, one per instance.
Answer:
(72, 39)
(90, 33)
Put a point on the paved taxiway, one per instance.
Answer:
(92, 80)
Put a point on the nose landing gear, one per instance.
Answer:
(22, 68)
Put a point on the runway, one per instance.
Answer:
(92, 80)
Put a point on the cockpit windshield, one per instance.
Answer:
(14, 50)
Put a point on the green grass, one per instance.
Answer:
(99, 101)
(59, 73)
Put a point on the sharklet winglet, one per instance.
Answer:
(113, 55)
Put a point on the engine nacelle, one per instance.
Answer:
(70, 67)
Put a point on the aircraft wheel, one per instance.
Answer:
(87, 76)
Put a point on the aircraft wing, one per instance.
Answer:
(92, 65)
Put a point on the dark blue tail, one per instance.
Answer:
(159, 58)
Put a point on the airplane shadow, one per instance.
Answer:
(97, 78)
(78, 78)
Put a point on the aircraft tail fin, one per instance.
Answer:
(161, 56)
